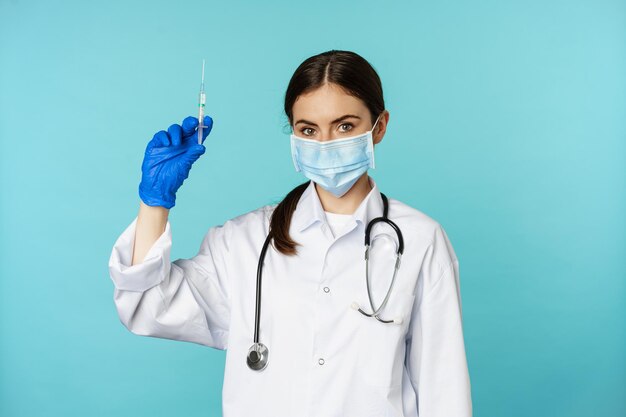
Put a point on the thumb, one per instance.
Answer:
(195, 151)
(208, 123)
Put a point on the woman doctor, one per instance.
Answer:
(318, 349)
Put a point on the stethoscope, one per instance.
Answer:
(258, 354)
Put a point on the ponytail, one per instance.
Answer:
(281, 221)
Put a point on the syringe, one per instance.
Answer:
(201, 102)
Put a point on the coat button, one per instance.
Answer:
(320, 361)
(326, 289)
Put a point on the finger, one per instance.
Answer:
(175, 132)
(189, 125)
(208, 123)
(161, 138)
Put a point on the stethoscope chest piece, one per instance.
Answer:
(258, 355)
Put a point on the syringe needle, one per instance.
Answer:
(201, 103)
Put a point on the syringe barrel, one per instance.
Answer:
(200, 120)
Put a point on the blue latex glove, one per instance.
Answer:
(168, 159)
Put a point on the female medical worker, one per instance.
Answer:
(325, 357)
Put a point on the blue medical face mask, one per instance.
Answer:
(335, 164)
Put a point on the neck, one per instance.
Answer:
(350, 201)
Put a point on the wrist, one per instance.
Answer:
(153, 214)
(150, 198)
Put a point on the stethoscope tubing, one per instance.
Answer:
(257, 313)
(258, 354)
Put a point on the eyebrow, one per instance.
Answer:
(346, 116)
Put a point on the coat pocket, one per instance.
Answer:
(380, 356)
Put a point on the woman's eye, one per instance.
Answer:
(346, 124)
(303, 130)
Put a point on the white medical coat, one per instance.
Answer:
(325, 358)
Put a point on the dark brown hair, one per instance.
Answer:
(358, 78)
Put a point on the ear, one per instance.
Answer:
(381, 127)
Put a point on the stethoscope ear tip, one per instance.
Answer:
(397, 320)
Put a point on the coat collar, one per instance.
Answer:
(309, 209)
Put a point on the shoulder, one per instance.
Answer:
(252, 222)
(258, 216)
(243, 229)
(427, 231)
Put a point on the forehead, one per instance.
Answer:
(327, 103)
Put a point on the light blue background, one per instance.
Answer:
(507, 126)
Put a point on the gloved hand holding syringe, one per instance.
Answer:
(170, 154)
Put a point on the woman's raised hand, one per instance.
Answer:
(168, 159)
